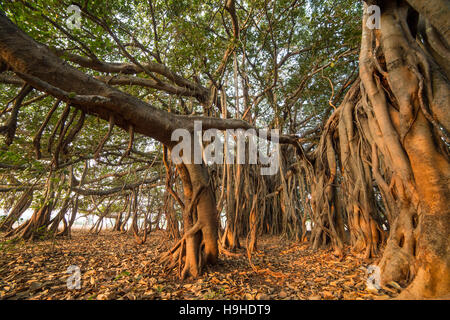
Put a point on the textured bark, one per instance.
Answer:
(382, 163)
(417, 252)
(16, 212)
(391, 133)
(198, 246)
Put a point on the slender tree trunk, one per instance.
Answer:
(16, 212)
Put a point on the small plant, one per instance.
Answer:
(8, 244)
(121, 275)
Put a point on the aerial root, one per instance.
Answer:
(176, 255)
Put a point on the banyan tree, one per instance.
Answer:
(369, 171)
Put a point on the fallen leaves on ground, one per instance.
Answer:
(113, 266)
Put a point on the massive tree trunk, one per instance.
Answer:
(391, 132)
(406, 95)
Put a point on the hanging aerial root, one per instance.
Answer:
(66, 136)
(130, 144)
(11, 125)
(38, 135)
(73, 132)
(60, 124)
(168, 179)
(105, 138)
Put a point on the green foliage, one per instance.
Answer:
(124, 273)
(190, 38)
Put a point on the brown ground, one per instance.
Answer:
(114, 267)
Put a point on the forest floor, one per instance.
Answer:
(113, 266)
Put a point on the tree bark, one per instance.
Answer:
(16, 212)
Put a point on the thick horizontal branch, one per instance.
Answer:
(149, 83)
(42, 69)
(129, 68)
(125, 187)
(11, 166)
(10, 79)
